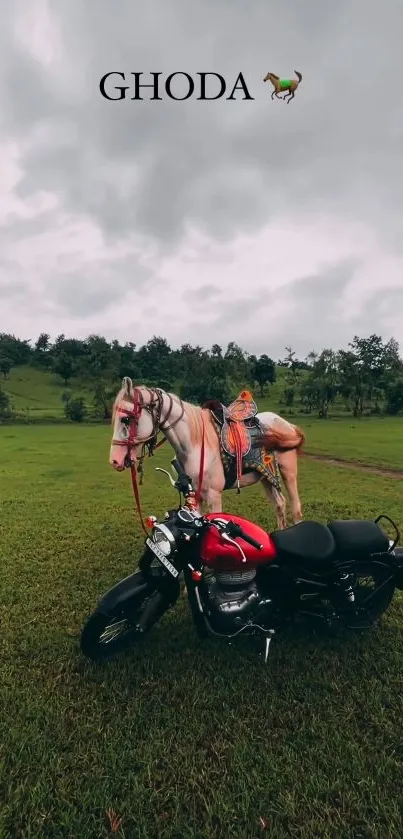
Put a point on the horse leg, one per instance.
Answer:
(277, 499)
(291, 96)
(273, 94)
(288, 465)
(213, 499)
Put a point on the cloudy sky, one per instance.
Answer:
(255, 221)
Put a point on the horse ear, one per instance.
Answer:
(127, 385)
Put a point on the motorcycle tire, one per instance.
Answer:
(106, 635)
(372, 609)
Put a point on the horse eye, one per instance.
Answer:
(125, 421)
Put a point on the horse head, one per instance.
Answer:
(133, 422)
(269, 76)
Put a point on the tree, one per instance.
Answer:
(155, 360)
(18, 351)
(42, 355)
(366, 369)
(308, 395)
(288, 397)
(75, 409)
(394, 397)
(293, 367)
(263, 372)
(199, 390)
(236, 363)
(216, 351)
(42, 344)
(126, 360)
(191, 362)
(103, 398)
(351, 382)
(64, 367)
(311, 358)
(99, 362)
(5, 365)
(323, 382)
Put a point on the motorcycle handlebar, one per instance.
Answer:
(234, 530)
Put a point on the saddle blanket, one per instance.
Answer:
(257, 458)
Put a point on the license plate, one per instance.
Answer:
(162, 558)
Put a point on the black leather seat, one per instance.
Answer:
(357, 537)
(308, 543)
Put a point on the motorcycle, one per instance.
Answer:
(242, 580)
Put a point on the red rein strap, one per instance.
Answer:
(201, 471)
(133, 471)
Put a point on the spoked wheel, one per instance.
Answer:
(106, 635)
(373, 591)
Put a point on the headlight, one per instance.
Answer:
(163, 537)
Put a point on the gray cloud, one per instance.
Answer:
(144, 173)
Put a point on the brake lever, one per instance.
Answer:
(227, 538)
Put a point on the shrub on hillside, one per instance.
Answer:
(5, 406)
(75, 410)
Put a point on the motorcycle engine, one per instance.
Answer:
(233, 599)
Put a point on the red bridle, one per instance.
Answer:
(133, 415)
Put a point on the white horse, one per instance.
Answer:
(185, 426)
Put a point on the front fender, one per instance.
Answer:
(125, 590)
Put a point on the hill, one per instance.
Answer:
(38, 394)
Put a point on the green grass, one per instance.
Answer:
(378, 442)
(180, 738)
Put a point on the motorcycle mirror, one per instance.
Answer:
(157, 469)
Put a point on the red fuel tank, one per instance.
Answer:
(221, 555)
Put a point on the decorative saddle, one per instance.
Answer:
(240, 441)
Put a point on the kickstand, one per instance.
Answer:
(267, 645)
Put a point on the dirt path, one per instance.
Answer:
(397, 474)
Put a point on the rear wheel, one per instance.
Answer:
(105, 635)
(373, 586)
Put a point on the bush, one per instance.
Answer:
(5, 406)
(75, 409)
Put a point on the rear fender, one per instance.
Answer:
(392, 561)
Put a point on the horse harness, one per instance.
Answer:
(130, 418)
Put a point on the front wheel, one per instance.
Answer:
(105, 635)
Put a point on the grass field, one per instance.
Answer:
(183, 740)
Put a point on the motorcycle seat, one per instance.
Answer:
(309, 542)
(353, 536)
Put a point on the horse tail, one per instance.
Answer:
(284, 441)
(298, 76)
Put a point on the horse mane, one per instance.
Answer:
(274, 75)
(196, 416)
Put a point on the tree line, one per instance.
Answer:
(368, 375)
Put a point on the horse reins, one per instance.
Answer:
(139, 405)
